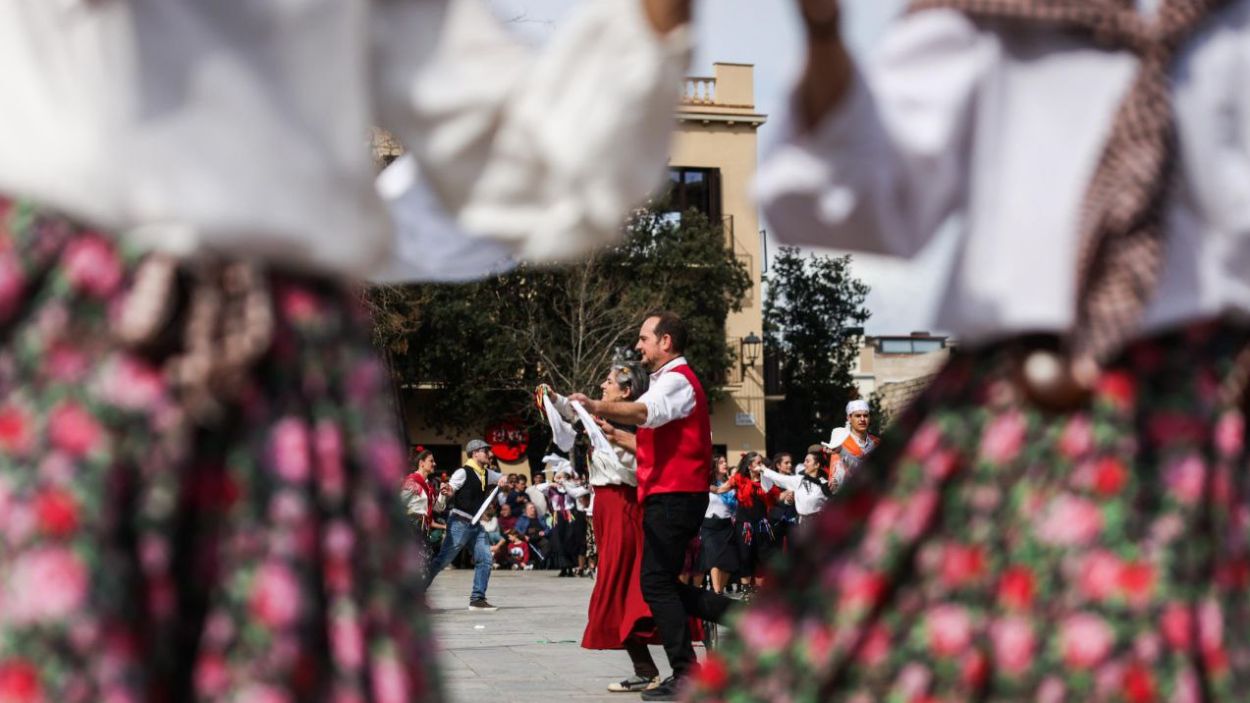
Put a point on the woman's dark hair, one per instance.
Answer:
(778, 457)
(423, 455)
(630, 376)
(744, 464)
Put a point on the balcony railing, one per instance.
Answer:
(699, 91)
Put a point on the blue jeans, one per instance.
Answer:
(459, 534)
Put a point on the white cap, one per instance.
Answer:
(857, 406)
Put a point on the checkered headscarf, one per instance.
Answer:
(1122, 219)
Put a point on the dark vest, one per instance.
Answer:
(471, 495)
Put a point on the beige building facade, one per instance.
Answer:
(711, 166)
(717, 130)
(896, 368)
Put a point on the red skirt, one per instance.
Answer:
(617, 609)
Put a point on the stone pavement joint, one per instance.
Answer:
(529, 650)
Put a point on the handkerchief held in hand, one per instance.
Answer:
(597, 438)
(562, 432)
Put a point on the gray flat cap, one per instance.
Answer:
(474, 445)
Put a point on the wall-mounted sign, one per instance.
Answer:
(744, 419)
(508, 440)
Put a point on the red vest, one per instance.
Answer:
(677, 457)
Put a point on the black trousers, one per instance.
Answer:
(670, 521)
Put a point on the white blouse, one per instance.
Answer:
(1001, 128)
(808, 498)
(717, 508)
(611, 465)
(242, 126)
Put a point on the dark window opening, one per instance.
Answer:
(694, 189)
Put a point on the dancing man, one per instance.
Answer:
(674, 452)
(851, 444)
(467, 491)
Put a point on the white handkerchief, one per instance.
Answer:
(562, 433)
(597, 438)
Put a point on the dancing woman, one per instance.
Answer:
(753, 532)
(811, 489)
(618, 616)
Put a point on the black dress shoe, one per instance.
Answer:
(668, 690)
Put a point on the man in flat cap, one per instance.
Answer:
(467, 492)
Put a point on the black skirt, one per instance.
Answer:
(755, 539)
(719, 550)
(568, 539)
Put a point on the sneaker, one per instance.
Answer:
(668, 690)
(634, 684)
(529, 567)
(482, 605)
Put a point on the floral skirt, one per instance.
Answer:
(993, 551)
(146, 558)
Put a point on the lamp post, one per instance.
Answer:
(750, 352)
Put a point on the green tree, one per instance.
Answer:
(482, 347)
(813, 310)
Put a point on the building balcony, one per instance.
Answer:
(728, 96)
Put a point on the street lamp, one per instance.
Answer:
(751, 345)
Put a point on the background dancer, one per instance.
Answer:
(420, 500)
(811, 488)
(568, 524)
(848, 446)
(718, 551)
(753, 532)
(468, 490)
(674, 452)
(783, 516)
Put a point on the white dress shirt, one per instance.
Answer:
(670, 396)
(241, 126)
(1001, 128)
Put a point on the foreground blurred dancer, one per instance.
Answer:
(1062, 515)
(197, 460)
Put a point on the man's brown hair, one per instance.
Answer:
(670, 323)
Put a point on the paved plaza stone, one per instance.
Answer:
(528, 650)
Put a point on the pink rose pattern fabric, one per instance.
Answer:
(996, 552)
(145, 559)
